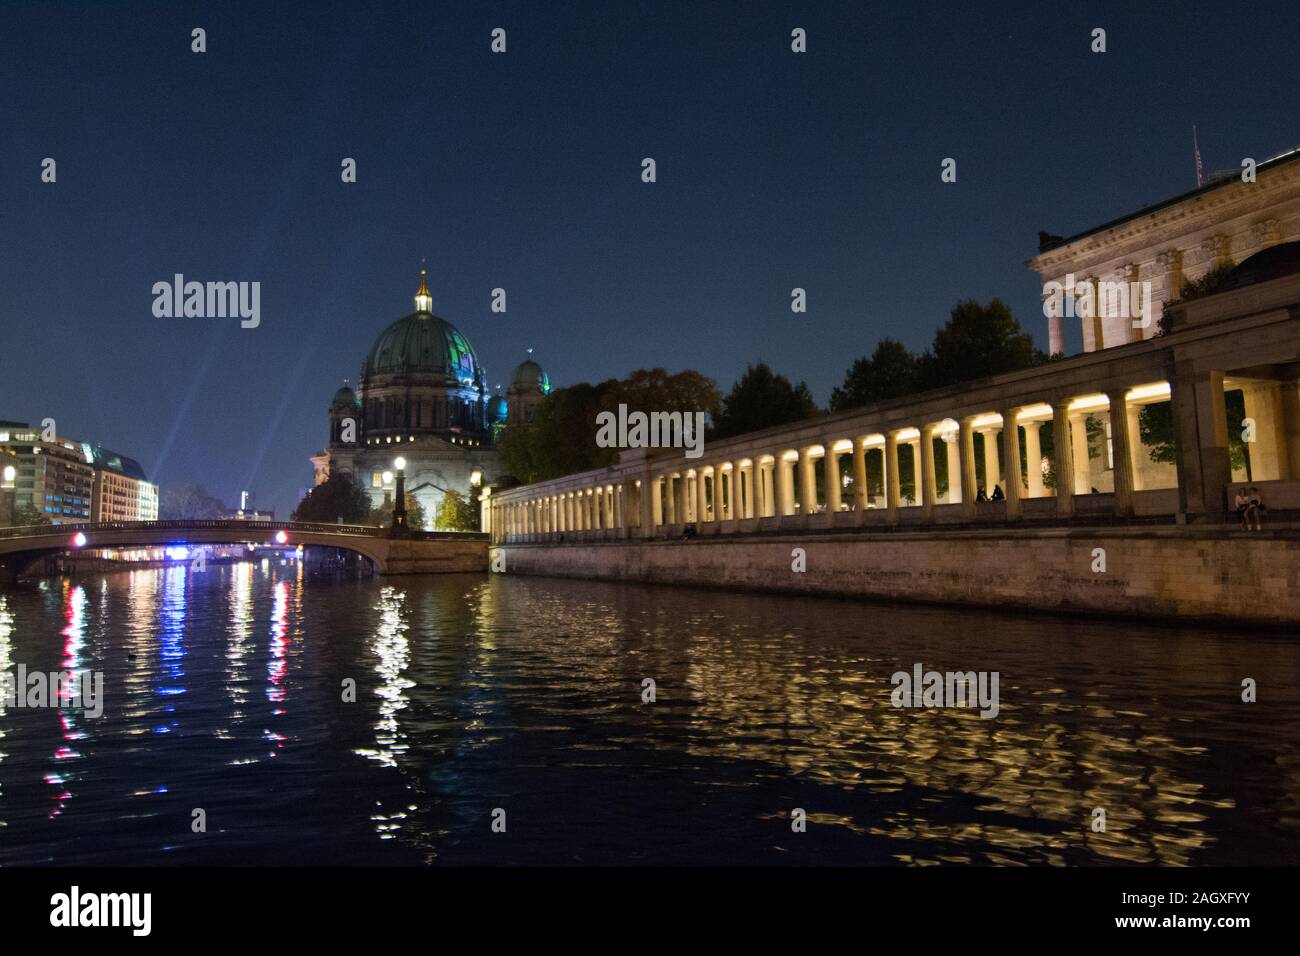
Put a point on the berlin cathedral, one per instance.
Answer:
(423, 397)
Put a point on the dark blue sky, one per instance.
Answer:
(522, 171)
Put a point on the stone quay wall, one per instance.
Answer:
(1214, 575)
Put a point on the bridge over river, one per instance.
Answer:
(414, 552)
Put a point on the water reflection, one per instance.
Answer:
(475, 693)
(65, 755)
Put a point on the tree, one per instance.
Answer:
(977, 341)
(761, 399)
(891, 372)
(456, 512)
(337, 498)
(1156, 426)
(28, 515)
(382, 516)
(188, 499)
(561, 438)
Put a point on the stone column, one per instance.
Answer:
(1121, 451)
(859, 477)
(1063, 458)
(1081, 454)
(1267, 451)
(1055, 338)
(701, 496)
(1034, 460)
(618, 505)
(832, 467)
(1133, 410)
(807, 483)
(1201, 424)
(651, 505)
(1171, 261)
(925, 488)
(1094, 328)
(966, 469)
(892, 493)
(784, 485)
(952, 448)
(1289, 403)
(1011, 457)
(992, 474)
(1128, 274)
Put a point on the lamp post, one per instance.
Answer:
(399, 501)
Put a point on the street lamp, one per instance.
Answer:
(399, 502)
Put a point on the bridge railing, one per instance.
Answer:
(227, 524)
(196, 524)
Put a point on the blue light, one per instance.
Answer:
(178, 552)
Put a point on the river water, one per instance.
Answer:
(521, 701)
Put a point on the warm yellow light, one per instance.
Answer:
(388, 477)
(10, 472)
(1034, 413)
(476, 477)
(400, 464)
(1090, 403)
(1156, 390)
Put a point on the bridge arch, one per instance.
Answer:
(21, 547)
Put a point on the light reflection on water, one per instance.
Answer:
(226, 690)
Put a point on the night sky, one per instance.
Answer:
(522, 171)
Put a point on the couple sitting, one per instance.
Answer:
(1249, 507)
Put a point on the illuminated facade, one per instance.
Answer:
(423, 396)
(70, 482)
(1158, 248)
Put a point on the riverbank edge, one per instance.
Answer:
(1190, 575)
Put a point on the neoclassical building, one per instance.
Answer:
(423, 397)
(1221, 223)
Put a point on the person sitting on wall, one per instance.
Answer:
(1256, 507)
(1242, 504)
(688, 532)
(997, 494)
(980, 496)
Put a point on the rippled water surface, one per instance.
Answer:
(224, 692)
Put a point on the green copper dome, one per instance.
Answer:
(423, 343)
(345, 396)
(530, 374)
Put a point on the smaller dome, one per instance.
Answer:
(497, 410)
(532, 375)
(345, 396)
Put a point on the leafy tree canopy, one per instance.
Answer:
(891, 372)
(338, 497)
(382, 516)
(456, 512)
(760, 399)
(976, 341)
(188, 499)
(561, 439)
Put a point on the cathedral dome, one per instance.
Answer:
(423, 344)
(531, 375)
(497, 409)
